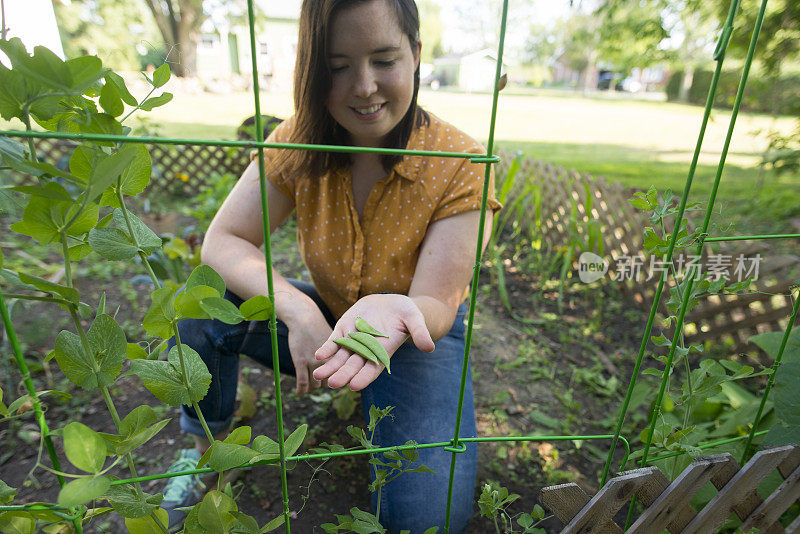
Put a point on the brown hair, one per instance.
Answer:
(312, 83)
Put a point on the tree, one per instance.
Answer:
(692, 24)
(179, 22)
(630, 33)
(113, 29)
(430, 30)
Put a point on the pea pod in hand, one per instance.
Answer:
(364, 326)
(373, 345)
(357, 347)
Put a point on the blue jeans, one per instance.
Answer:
(423, 388)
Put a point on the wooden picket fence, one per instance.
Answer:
(667, 505)
(564, 196)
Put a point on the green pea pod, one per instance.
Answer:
(357, 347)
(374, 345)
(364, 326)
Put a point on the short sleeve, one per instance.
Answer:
(281, 134)
(464, 191)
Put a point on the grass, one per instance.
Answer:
(636, 142)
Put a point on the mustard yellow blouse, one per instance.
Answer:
(348, 258)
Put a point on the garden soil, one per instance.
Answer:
(545, 372)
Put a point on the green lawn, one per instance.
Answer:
(636, 142)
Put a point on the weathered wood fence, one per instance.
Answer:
(667, 505)
(564, 198)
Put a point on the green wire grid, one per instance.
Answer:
(456, 445)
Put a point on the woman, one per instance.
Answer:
(389, 238)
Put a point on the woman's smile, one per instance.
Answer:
(372, 65)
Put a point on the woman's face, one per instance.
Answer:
(372, 67)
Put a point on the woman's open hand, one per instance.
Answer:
(395, 315)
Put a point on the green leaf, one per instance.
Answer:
(85, 448)
(82, 161)
(187, 303)
(221, 309)
(13, 148)
(770, 343)
(146, 524)
(14, 93)
(159, 318)
(295, 440)
(126, 502)
(266, 445)
(7, 493)
(226, 456)
(112, 244)
(108, 169)
(134, 178)
(83, 490)
(3, 413)
(785, 397)
(134, 441)
(17, 523)
(163, 379)
(78, 252)
(258, 308)
(239, 436)
(272, 525)
(107, 340)
(51, 190)
(203, 275)
(44, 66)
(161, 75)
(38, 220)
(67, 293)
(111, 101)
(245, 524)
(86, 71)
(215, 512)
(109, 347)
(156, 101)
(148, 241)
(781, 434)
(119, 83)
(136, 352)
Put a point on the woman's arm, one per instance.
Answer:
(231, 247)
(444, 268)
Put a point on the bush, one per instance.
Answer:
(763, 95)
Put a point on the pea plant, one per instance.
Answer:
(709, 404)
(82, 213)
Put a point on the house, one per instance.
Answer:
(224, 48)
(34, 30)
(468, 72)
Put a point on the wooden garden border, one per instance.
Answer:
(666, 505)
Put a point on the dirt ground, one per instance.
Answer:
(551, 373)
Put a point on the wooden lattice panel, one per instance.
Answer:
(764, 307)
(667, 505)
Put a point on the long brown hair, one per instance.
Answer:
(312, 83)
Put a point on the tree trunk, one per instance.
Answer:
(686, 84)
(180, 30)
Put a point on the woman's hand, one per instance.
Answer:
(395, 315)
(306, 334)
